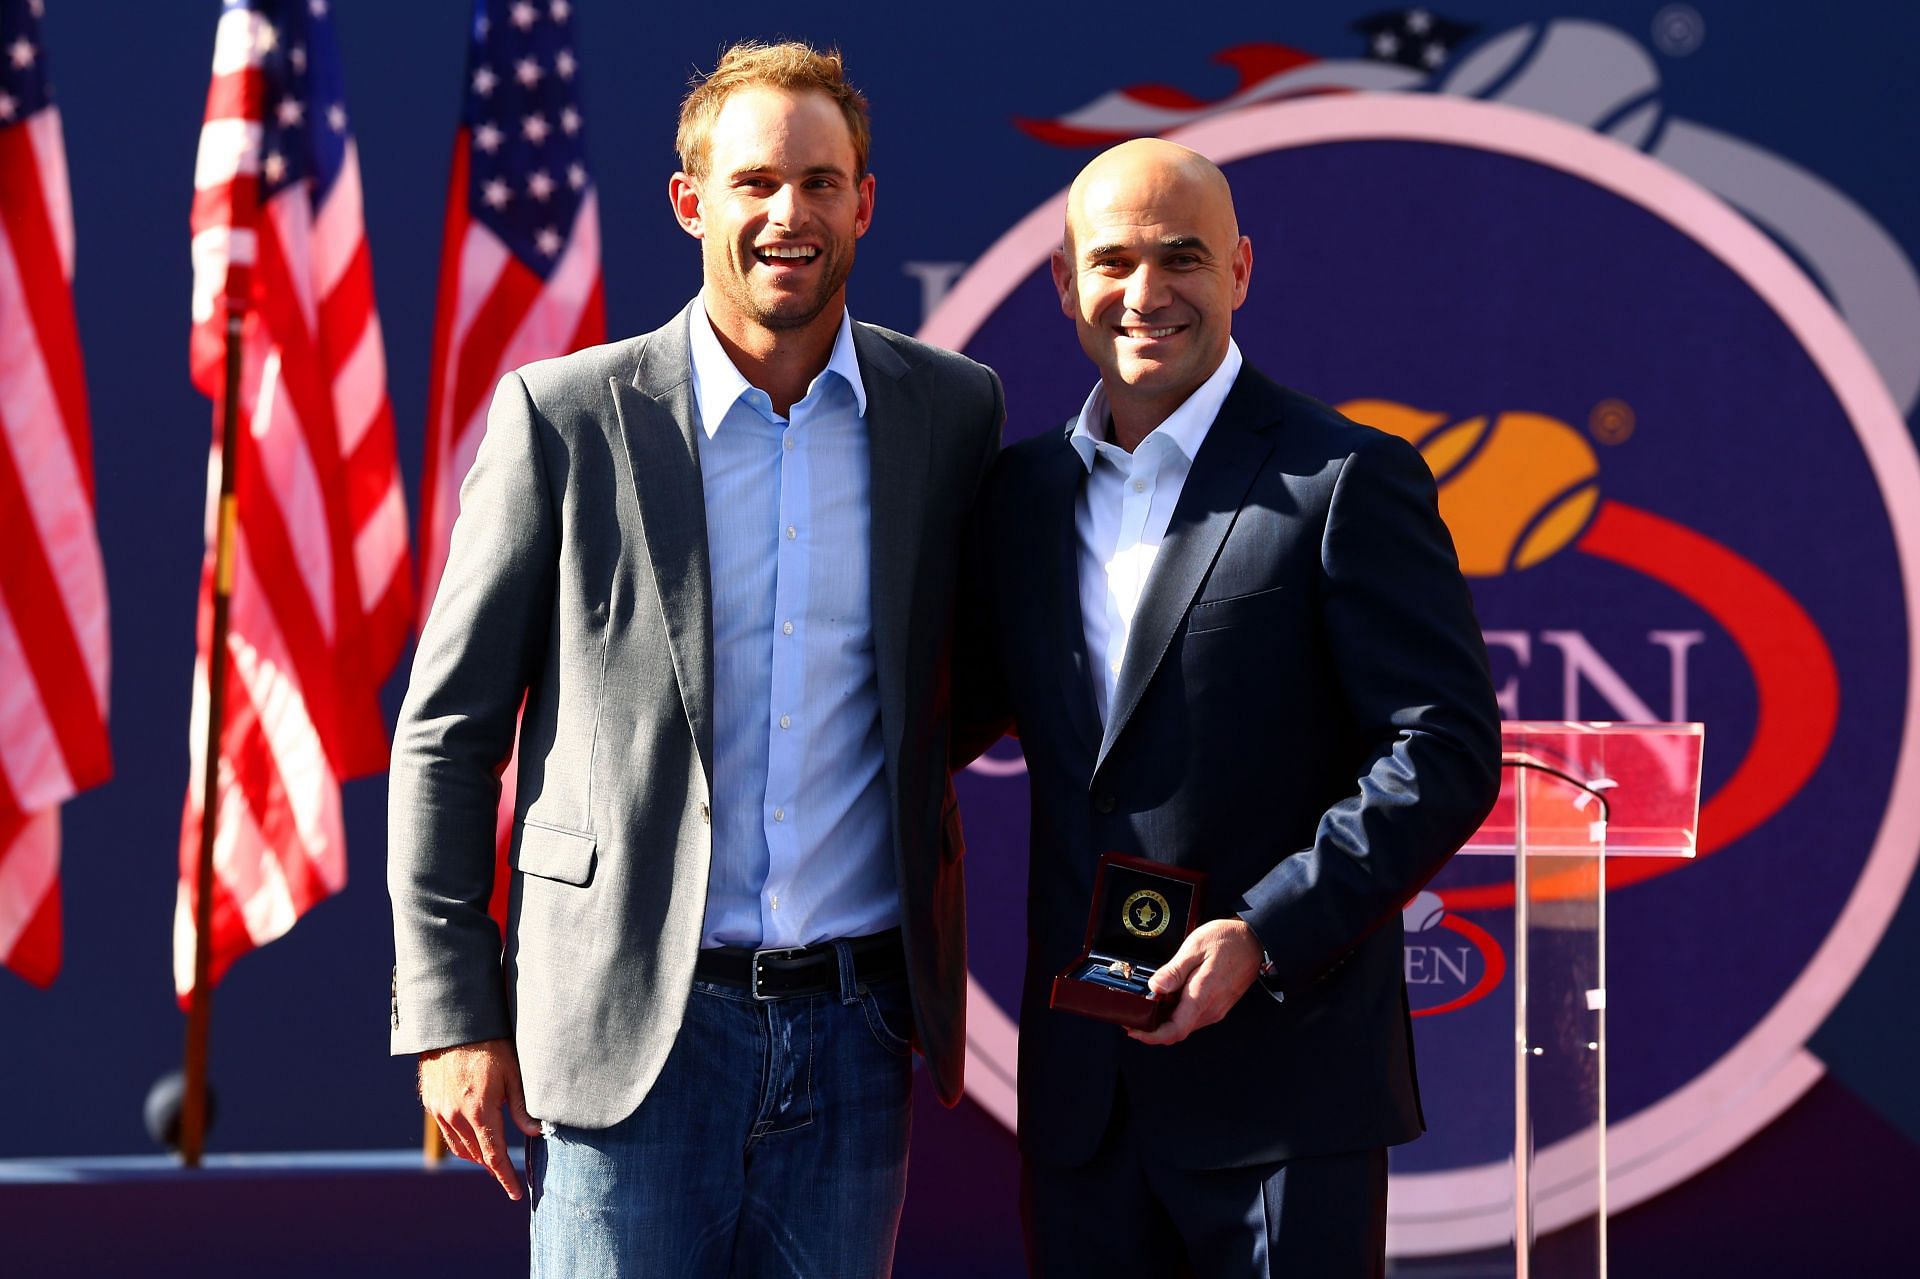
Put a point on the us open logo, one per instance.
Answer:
(1680, 490)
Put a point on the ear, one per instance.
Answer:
(1063, 282)
(684, 194)
(863, 215)
(1242, 267)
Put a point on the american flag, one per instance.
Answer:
(1262, 72)
(520, 261)
(53, 593)
(321, 592)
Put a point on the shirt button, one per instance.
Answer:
(779, 814)
(788, 442)
(774, 900)
(792, 532)
(786, 721)
(1139, 486)
(1114, 666)
(786, 628)
(1104, 803)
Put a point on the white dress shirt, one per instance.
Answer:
(1123, 511)
(802, 839)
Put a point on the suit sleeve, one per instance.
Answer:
(981, 703)
(1412, 670)
(477, 655)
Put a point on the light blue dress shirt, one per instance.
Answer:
(802, 840)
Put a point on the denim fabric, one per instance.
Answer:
(773, 1144)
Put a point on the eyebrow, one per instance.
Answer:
(767, 166)
(1167, 243)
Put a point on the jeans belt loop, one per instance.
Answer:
(850, 987)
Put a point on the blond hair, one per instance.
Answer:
(791, 65)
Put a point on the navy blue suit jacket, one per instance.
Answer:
(1304, 713)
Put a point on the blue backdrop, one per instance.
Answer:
(300, 1026)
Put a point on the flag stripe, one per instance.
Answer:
(30, 895)
(436, 503)
(267, 539)
(592, 328)
(47, 647)
(380, 548)
(39, 279)
(508, 300)
(53, 555)
(279, 740)
(555, 316)
(48, 136)
(238, 40)
(360, 386)
(337, 241)
(228, 149)
(52, 511)
(33, 768)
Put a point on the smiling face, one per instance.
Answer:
(1152, 270)
(777, 213)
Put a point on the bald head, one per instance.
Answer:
(1151, 172)
(1151, 270)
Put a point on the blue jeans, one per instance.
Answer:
(774, 1143)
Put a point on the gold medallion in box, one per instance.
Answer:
(1141, 912)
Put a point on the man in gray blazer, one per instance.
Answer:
(716, 563)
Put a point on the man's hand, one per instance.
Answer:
(463, 1088)
(1209, 973)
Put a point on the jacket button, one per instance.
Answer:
(1103, 802)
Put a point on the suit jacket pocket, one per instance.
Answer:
(553, 853)
(1214, 615)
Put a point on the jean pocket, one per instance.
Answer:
(889, 1013)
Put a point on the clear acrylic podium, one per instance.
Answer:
(1572, 796)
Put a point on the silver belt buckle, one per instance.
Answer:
(776, 952)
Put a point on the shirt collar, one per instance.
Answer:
(1185, 428)
(717, 383)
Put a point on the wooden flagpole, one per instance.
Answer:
(193, 1104)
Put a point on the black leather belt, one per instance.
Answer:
(788, 973)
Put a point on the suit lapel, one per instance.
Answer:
(1230, 457)
(898, 455)
(657, 420)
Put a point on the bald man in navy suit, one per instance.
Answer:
(1230, 630)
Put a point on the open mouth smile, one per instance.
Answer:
(787, 254)
(1141, 333)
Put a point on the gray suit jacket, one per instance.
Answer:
(578, 579)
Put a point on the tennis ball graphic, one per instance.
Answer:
(1513, 490)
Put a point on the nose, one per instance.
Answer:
(783, 206)
(1146, 290)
